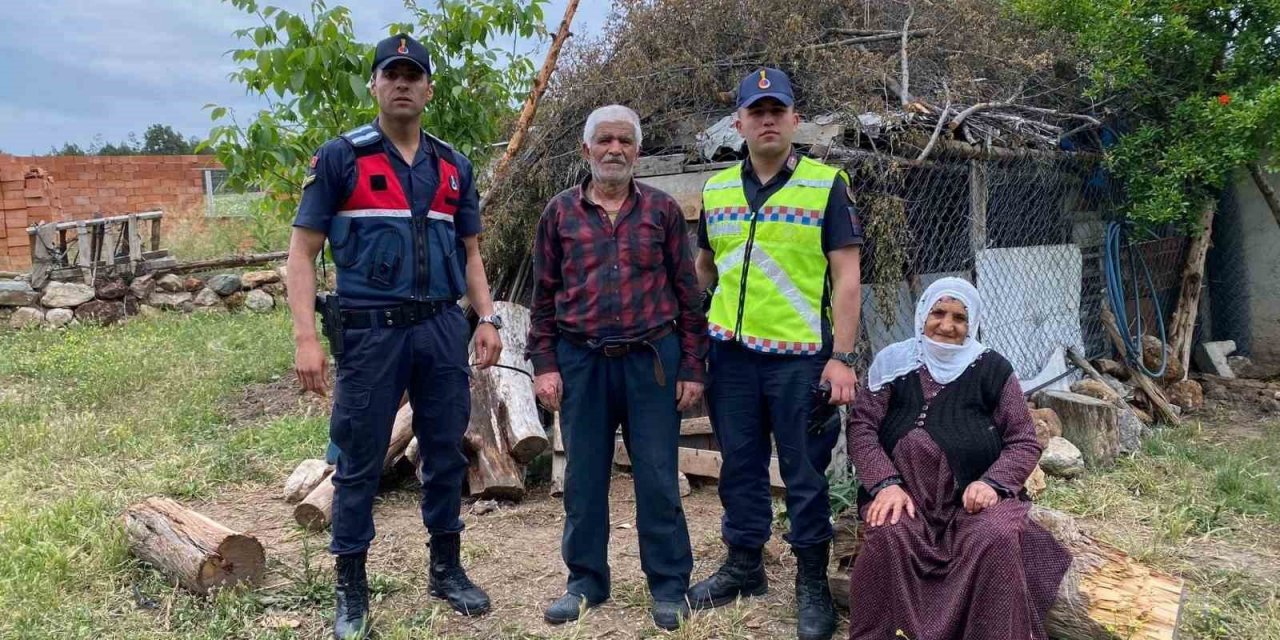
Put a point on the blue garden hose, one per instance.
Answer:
(1112, 265)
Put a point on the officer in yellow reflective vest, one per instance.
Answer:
(780, 243)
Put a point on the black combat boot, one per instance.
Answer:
(449, 581)
(351, 615)
(815, 614)
(742, 574)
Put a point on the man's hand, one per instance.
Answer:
(488, 345)
(687, 394)
(978, 496)
(889, 505)
(312, 366)
(550, 389)
(843, 381)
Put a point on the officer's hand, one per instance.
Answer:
(978, 496)
(687, 394)
(488, 345)
(843, 381)
(890, 503)
(311, 366)
(549, 389)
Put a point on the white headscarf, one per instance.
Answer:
(945, 361)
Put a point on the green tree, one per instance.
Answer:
(313, 73)
(162, 140)
(1193, 84)
(68, 149)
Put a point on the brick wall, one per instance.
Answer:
(46, 188)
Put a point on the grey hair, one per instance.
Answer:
(611, 113)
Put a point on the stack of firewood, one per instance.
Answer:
(504, 435)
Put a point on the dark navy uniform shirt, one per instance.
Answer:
(335, 178)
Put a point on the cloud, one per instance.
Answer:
(74, 69)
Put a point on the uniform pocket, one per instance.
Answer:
(384, 265)
(350, 396)
(342, 240)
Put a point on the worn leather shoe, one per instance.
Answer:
(448, 581)
(669, 615)
(815, 613)
(567, 608)
(351, 613)
(742, 574)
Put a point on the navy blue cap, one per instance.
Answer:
(765, 83)
(401, 47)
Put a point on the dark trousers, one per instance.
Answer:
(430, 360)
(601, 393)
(751, 395)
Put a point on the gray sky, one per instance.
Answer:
(74, 69)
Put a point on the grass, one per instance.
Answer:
(1202, 501)
(93, 419)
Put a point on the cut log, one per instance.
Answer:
(1091, 424)
(683, 482)
(493, 473)
(1129, 423)
(315, 512)
(1106, 595)
(696, 427)
(305, 478)
(558, 461)
(184, 545)
(700, 463)
(514, 408)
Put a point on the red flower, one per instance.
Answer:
(1224, 99)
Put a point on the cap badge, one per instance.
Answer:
(404, 48)
(764, 81)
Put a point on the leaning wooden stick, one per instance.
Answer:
(1158, 402)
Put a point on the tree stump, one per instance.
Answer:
(199, 553)
(1092, 425)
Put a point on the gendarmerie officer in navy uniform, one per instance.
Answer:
(400, 211)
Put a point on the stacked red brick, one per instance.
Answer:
(27, 197)
(44, 189)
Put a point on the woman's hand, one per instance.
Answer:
(978, 496)
(888, 506)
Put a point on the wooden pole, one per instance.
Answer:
(1184, 315)
(1159, 404)
(531, 103)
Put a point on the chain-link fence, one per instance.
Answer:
(221, 201)
(1027, 228)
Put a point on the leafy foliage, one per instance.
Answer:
(313, 74)
(1193, 84)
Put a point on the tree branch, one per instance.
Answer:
(905, 94)
(1268, 193)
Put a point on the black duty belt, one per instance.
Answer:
(618, 347)
(405, 315)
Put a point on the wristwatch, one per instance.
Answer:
(494, 319)
(844, 357)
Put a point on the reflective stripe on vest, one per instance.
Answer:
(777, 307)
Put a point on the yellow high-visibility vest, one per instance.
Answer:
(772, 270)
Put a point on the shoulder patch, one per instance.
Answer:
(362, 136)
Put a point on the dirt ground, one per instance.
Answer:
(514, 553)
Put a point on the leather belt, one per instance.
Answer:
(618, 347)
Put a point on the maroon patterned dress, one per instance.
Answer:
(948, 574)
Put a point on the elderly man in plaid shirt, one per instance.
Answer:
(618, 337)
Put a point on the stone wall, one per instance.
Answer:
(109, 301)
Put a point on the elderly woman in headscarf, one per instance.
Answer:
(943, 442)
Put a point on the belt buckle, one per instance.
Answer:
(615, 350)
